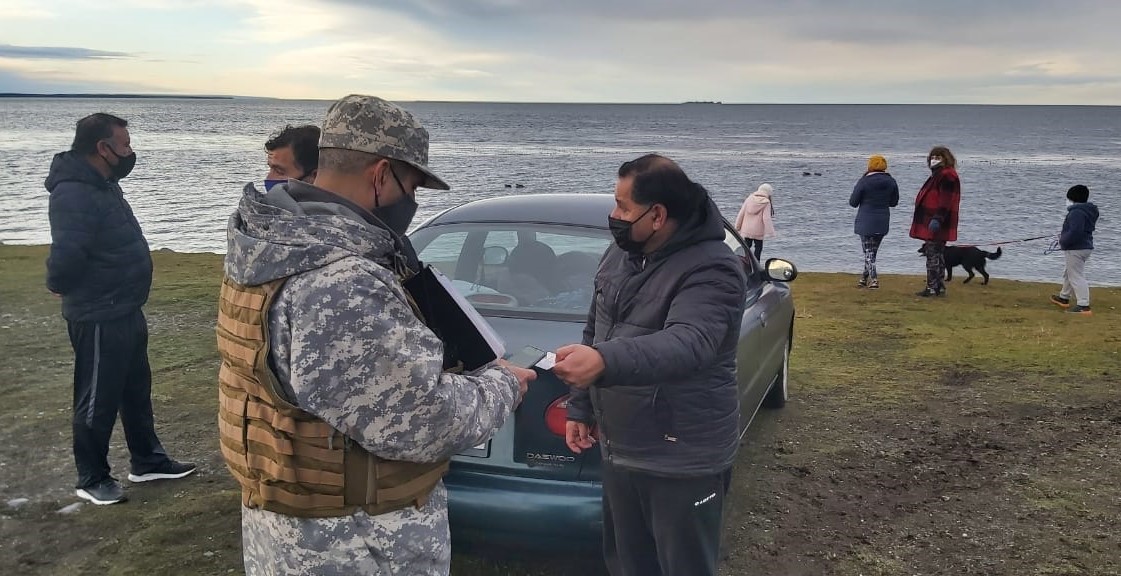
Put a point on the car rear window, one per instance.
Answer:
(519, 270)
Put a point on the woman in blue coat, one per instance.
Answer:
(874, 195)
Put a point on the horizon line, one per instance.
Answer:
(172, 96)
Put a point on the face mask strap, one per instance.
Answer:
(398, 180)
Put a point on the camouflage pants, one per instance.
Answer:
(935, 265)
(403, 543)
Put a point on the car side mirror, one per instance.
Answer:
(495, 255)
(779, 270)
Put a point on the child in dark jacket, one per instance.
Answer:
(1077, 242)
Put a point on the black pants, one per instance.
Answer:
(657, 526)
(758, 246)
(111, 373)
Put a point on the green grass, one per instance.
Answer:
(871, 370)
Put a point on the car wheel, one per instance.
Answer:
(776, 396)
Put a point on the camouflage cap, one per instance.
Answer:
(375, 126)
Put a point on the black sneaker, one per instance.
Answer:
(169, 470)
(108, 491)
(1081, 310)
(927, 293)
(1060, 301)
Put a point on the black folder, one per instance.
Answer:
(468, 338)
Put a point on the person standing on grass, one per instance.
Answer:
(101, 266)
(335, 414)
(936, 217)
(755, 221)
(874, 195)
(655, 371)
(1077, 242)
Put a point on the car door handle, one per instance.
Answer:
(763, 319)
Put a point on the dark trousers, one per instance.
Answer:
(111, 373)
(935, 265)
(758, 246)
(658, 526)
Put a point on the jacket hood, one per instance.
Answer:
(756, 205)
(297, 227)
(1089, 208)
(706, 224)
(72, 167)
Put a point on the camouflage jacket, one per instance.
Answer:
(346, 346)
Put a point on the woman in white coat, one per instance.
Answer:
(756, 218)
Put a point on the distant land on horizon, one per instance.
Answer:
(94, 96)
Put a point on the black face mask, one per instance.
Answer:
(399, 215)
(621, 230)
(124, 165)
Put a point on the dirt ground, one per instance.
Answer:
(978, 434)
(953, 481)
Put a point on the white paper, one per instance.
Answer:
(547, 362)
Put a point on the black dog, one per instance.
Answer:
(969, 258)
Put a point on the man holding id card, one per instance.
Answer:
(656, 374)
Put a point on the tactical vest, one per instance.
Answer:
(287, 460)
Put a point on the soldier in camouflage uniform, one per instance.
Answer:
(346, 347)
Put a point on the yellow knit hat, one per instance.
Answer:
(877, 163)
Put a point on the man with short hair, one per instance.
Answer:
(336, 416)
(100, 265)
(656, 373)
(293, 154)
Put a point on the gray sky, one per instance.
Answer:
(902, 51)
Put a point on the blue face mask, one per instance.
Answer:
(270, 183)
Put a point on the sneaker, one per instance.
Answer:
(1079, 309)
(1060, 301)
(861, 283)
(108, 491)
(927, 293)
(874, 285)
(169, 470)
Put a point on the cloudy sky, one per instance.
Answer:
(817, 51)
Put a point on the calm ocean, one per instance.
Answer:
(1015, 163)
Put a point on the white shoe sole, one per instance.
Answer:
(90, 497)
(156, 476)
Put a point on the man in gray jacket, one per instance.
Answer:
(347, 365)
(656, 373)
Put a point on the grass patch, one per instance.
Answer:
(975, 433)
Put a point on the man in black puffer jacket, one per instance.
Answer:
(101, 267)
(656, 372)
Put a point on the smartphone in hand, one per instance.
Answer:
(527, 357)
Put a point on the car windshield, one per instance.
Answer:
(519, 270)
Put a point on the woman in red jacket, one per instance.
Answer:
(936, 216)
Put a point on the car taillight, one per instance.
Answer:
(556, 415)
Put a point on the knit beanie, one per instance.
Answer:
(1078, 193)
(877, 163)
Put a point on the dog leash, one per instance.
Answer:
(1003, 242)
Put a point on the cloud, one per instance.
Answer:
(25, 10)
(51, 82)
(57, 53)
(998, 51)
